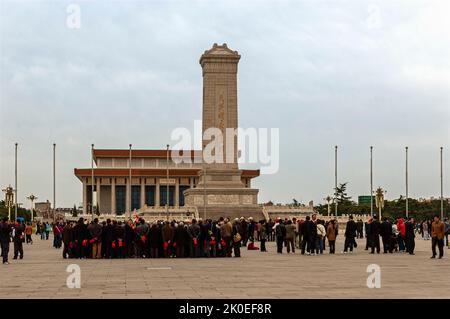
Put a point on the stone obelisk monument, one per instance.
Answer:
(220, 191)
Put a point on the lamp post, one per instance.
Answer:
(32, 198)
(379, 200)
(15, 182)
(371, 182)
(328, 199)
(167, 181)
(335, 181)
(9, 199)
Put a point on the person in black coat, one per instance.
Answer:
(386, 233)
(154, 236)
(280, 233)
(180, 238)
(119, 235)
(367, 230)
(311, 229)
(350, 234)
(109, 238)
(409, 236)
(305, 235)
(375, 235)
(80, 235)
(5, 238)
(129, 241)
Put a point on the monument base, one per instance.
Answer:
(221, 193)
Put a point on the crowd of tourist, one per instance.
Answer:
(223, 237)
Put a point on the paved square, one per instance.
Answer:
(42, 274)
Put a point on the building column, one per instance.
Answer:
(127, 195)
(113, 195)
(157, 193)
(85, 210)
(191, 182)
(177, 192)
(142, 192)
(98, 193)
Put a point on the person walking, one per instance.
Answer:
(386, 233)
(447, 231)
(350, 234)
(409, 236)
(280, 234)
(437, 237)
(290, 236)
(48, 227)
(5, 239)
(28, 233)
(18, 239)
(67, 238)
(331, 236)
(426, 234)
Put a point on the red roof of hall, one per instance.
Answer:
(141, 153)
(150, 172)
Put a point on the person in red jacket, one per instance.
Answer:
(401, 235)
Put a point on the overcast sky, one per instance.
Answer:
(347, 73)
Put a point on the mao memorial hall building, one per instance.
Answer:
(149, 170)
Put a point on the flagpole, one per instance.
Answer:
(129, 178)
(442, 188)
(406, 154)
(335, 181)
(92, 181)
(15, 182)
(371, 183)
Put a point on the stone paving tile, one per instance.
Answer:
(42, 274)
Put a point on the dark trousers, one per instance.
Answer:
(376, 244)
(263, 245)
(154, 252)
(18, 248)
(65, 250)
(5, 251)
(228, 245)
(237, 249)
(440, 244)
(290, 244)
(311, 247)
(410, 245)
(108, 249)
(305, 245)
(386, 244)
(180, 250)
(348, 244)
(80, 250)
(280, 244)
(332, 244)
(28, 238)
